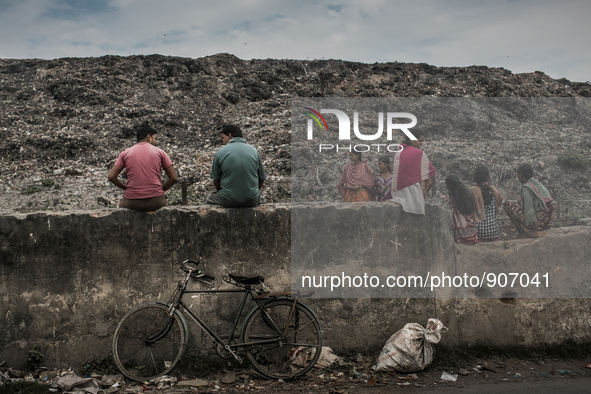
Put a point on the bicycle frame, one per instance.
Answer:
(280, 336)
(177, 303)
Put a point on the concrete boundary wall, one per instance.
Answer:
(66, 279)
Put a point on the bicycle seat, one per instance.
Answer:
(253, 280)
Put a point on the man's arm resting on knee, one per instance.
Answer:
(113, 177)
(172, 178)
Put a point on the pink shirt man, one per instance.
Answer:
(144, 163)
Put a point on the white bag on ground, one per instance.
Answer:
(410, 349)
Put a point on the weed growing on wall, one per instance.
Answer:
(34, 358)
(99, 364)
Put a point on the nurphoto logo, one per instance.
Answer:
(345, 129)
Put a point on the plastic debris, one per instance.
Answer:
(193, 383)
(327, 358)
(448, 377)
(70, 381)
(164, 382)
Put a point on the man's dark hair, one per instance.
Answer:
(232, 129)
(144, 130)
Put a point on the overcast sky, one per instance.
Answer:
(519, 35)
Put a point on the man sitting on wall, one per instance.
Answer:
(144, 190)
(237, 172)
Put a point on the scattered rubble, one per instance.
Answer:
(449, 377)
(348, 375)
(64, 121)
(328, 358)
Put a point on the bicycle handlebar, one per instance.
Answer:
(190, 267)
(207, 276)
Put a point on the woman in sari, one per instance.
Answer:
(357, 180)
(488, 200)
(533, 210)
(383, 186)
(461, 201)
(411, 176)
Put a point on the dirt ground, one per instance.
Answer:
(479, 368)
(497, 372)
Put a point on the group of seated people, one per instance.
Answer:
(238, 176)
(474, 209)
(405, 182)
(237, 172)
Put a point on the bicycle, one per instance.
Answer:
(281, 336)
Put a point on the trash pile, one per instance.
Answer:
(332, 373)
(64, 121)
(65, 380)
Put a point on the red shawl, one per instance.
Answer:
(358, 175)
(409, 167)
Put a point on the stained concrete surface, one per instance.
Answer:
(68, 278)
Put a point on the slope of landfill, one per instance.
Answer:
(63, 123)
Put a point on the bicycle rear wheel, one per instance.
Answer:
(148, 342)
(285, 341)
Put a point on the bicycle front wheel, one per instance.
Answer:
(283, 341)
(148, 342)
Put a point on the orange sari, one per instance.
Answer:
(359, 175)
(357, 195)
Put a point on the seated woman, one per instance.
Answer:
(488, 200)
(533, 210)
(357, 180)
(383, 186)
(410, 169)
(461, 201)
